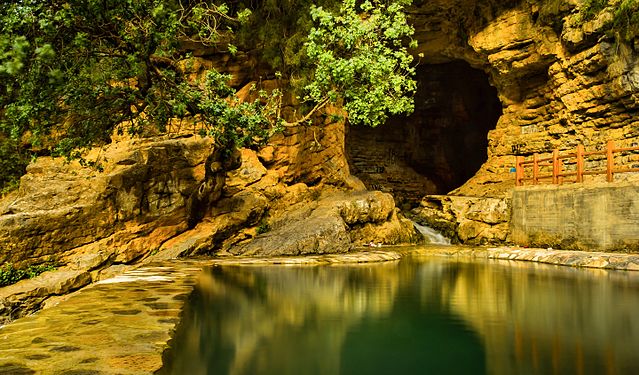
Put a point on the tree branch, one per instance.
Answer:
(307, 117)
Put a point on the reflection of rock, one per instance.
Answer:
(550, 319)
(250, 309)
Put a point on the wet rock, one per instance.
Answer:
(28, 295)
(467, 220)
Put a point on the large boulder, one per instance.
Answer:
(62, 207)
(335, 223)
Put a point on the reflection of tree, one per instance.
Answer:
(238, 313)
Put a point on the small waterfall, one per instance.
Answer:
(433, 236)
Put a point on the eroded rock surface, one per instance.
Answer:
(334, 224)
(63, 209)
(562, 81)
(467, 220)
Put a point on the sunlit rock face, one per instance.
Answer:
(65, 209)
(560, 81)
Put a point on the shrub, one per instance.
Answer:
(626, 20)
(592, 8)
(263, 227)
(11, 275)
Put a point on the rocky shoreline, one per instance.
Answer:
(124, 324)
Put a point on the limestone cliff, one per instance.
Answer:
(561, 81)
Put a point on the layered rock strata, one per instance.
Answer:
(466, 220)
(562, 81)
(87, 220)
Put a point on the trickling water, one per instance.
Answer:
(433, 236)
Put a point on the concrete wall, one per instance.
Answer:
(603, 217)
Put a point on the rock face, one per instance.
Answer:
(440, 146)
(333, 224)
(135, 209)
(64, 209)
(561, 81)
(466, 220)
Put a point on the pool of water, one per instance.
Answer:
(415, 316)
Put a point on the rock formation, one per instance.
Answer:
(559, 81)
(142, 206)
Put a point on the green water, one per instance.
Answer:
(421, 315)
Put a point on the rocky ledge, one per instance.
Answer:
(96, 222)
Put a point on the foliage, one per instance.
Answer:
(591, 8)
(263, 227)
(277, 31)
(76, 71)
(13, 162)
(10, 275)
(361, 61)
(626, 20)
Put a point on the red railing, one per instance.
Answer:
(553, 167)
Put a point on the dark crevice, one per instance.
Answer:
(440, 146)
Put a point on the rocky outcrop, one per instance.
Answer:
(466, 220)
(333, 224)
(561, 80)
(64, 209)
(135, 209)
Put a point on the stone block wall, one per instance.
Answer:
(600, 217)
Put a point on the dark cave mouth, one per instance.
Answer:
(437, 148)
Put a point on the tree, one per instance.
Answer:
(360, 60)
(78, 70)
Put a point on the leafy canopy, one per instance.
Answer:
(360, 60)
(76, 70)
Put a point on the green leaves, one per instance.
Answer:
(359, 59)
(10, 275)
(78, 70)
(626, 20)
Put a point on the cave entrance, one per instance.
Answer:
(437, 148)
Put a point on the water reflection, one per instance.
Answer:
(420, 315)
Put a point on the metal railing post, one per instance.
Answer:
(610, 161)
(580, 163)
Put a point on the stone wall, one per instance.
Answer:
(602, 217)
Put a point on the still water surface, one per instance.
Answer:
(420, 315)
